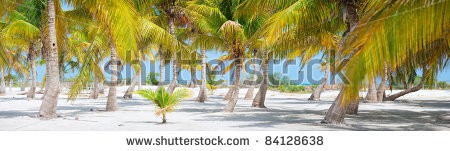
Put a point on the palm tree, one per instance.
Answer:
(260, 97)
(253, 76)
(28, 14)
(233, 30)
(162, 65)
(149, 33)
(202, 95)
(164, 101)
(372, 91)
(318, 91)
(168, 17)
(119, 21)
(391, 22)
(204, 42)
(287, 31)
(86, 44)
(306, 22)
(23, 30)
(203, 32)
(303, 16)
(49, 103)
(381, 90)
(430, 61)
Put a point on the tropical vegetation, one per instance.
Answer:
(164, 101)
(376, 44)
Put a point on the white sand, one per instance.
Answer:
(423, 110)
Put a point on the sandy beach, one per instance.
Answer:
(426, 110)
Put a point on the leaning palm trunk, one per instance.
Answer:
(352, 108)
(337, 110)
(2, 82)
(260, 97)
(111, 104)
(381, 95)
(371, 96)
(411, 89)
(95, 90)
(129, 93)
(202, 94)
(173, 59)
(232, 103)
(229, 94)
(315, 96)
(49, 103)
(32, 91)
(249, 94)
(402, 93)
(336, 113)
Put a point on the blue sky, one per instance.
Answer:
(292, 72)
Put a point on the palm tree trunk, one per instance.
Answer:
(174, 81)
(249, 94)
(202, 94)
(381, 94)
(404, 92)
(32, 91)
(10, 82)
(315, 96)
(411, 89)
(48, 107)
(94, 92)
(260, 97)
(42, 90)
(173, 59)
(193, 82)
(371, 96)
(24, 83)
(139, 79)
(336, 112)
(164, 120)
(101, 88)
(61, 71)
(352, 108)
(129, 93)
(161, 67)
(229, 94)
(111, 104)
(232, 103)
(2, 82)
